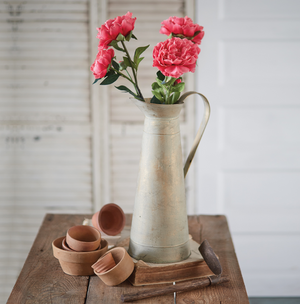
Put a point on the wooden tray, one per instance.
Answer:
(150, 273)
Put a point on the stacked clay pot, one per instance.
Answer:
(83, 252)
(83, 238)
(79, 250)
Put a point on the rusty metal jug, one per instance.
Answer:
(159, 230)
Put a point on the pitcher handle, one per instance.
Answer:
(200, 130)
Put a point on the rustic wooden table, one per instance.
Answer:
(42, 280)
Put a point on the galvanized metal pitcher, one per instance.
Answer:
(159, 230)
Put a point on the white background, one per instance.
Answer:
(248, 164)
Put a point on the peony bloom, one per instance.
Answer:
(102, 62)
(182, 27)
(110, 30)
(175, 56)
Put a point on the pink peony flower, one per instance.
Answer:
(182, 26)
(102, 62)
(175, 56)
(110, 30)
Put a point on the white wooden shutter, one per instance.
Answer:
(125, 122)
(45, 122)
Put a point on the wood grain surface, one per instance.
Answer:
(42, 280)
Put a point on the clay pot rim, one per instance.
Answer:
(78, 253)
(76, 263)
(103, 209)
(64, 243)
(113, 249)
(83, 243)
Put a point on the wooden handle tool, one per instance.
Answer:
(212, 262)
(180, 287)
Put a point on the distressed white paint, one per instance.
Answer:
(45, 122)
(65, 145)
(248, 165)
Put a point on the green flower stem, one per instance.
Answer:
(168, 89)
(129, 76)
(133, 72)
(121, 74)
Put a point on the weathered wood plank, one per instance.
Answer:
(41, 279)
(215, 230)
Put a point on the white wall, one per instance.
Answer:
(248, 164)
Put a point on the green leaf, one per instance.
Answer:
(170, 80)
(128, 62)
(125, 89)
(155, 100)
(109, 73)
(138, 61)
(157, 95)
(179, 87)
(116, 65)
(159, 82)
(159, 90)
(175, 97)
(128, 37)
(96, 80)
(155, 86)
(110, 79)
(120, 37)
(132, 36)
(195, 34)
(114, 44)
(160, 75)
(138, 52)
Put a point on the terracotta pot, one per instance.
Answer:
(77, 263)
(65, 245)
(95, 220)
(105, 264)
(83, 238)
(123, 269)
(110, 219)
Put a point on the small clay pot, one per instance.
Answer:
(110, 219)
(83, 238)
(65, 245)
(77, 263)
(105, 264)
(119, 273)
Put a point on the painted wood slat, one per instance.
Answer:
(29, 54)
(49, 16)
(46, 34)
(154, 8)
(31, 129)
(45, 131)
(46, 27)
(46, 6)
(36, 82)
